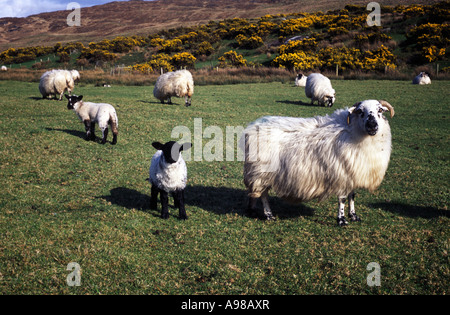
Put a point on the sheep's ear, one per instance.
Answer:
(185, 146)
(157, 145)
(79, 98)
(351, 109)
(67, 96)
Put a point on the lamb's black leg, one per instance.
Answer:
(92, 130)
(87, 127)
(105, 135)
(154, 198)
(164, 195)
(180, 197)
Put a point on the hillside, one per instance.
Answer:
(145, 17)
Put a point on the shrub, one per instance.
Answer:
(232, 59)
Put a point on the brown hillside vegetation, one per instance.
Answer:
(144, 17)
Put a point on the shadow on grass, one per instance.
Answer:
(159, 103)
(410, 210)
(75, 133)
(219, 200)
(300, 103)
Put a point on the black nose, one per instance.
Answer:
(371, 125)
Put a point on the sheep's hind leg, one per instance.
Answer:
(164, 204)
(265, 201)
(351, 204)
(179, 203)
(251, 207)
(341, 216)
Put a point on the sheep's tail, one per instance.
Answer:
(114, 122)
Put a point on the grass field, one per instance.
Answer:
(63, 199)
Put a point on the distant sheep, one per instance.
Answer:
(4, 68)
(422, 79)
(56, 82)
(300, 80)
(91, 113)
(179, 83)
(313, 158)
(318, 87)
(168, 174)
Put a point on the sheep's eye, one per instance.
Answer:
(380, 110)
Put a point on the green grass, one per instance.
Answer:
(67, 200)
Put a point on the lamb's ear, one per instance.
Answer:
(157, 145)
(67, 96)
(185, 146)
(79, 98)
(351, 110)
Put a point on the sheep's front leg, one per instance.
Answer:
(351, 205)
(164, 204)
(265, 201)
(154, 198)
(341, 216)
(89, 129)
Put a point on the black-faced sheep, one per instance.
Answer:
(313, 158)
(91, 113)
(318, 88)
(178, 83)
(422, 79)
(168, 174)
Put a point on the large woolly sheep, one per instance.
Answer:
(178, 83)
(168, 174)
(422, 79)
(56, 82)
(318, 87)
(300, 80)
(91, 113)
(313, 158)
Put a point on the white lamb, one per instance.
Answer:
(300, 80)
(168, 174)
(318, 87)
(179, 83)
(4, 68)
(56, 82)
(91, 113)
(313, 158)
(422, 79)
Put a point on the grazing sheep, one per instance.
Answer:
(318, 87)
(91, 113)
(422, 79)
(75, 75)
(179, 83)
(300, 80)
(56, 82)
(313, 158)
(4, 68)
(168, 174)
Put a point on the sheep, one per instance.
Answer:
(168, 174)
(313, 158)
(318, 87)
(422, 79)
(4, 68)
(300, 80)
(75, 75)
(91, 113)
(179, 83)
(56, 82)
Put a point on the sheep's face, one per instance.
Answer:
(329, 99)
(368, 115)
(171, 150)
(73, 99)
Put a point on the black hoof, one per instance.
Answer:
(341, 221)
(354, 218)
